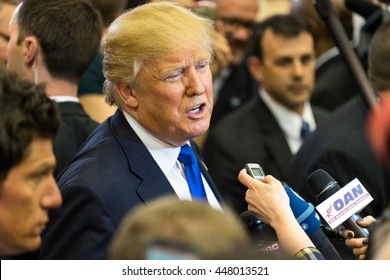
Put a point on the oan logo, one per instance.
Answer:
(344, 203)
(349, 199)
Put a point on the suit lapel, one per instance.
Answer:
(274, 139)
(153, 182)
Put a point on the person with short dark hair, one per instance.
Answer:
(271, 129)
(29, 125)
(53, 43)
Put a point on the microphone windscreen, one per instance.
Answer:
(322, 184)
(304, 212)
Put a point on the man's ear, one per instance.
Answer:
(127, 94)
(30, 49)
(255, 68)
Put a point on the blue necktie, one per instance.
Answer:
(305, 130)
(194, 178)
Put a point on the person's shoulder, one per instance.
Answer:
(91, 124)
(320, 114)
(238, 116)
(341, 116)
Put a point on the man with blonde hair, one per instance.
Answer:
(156, 65)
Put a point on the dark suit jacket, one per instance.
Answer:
(75, 127)
(112, 173)
(341, 148)
(335, 85)
(250, 134)
(237, 89)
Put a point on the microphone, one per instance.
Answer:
(307, 218)
(323, 185)
(310, 222)
(263, 235)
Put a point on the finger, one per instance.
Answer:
(348, 234)
(356, 242)
(359, 251)
(246, 179)
(366, 221)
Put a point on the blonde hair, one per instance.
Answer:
(149, 32)
(194, 224)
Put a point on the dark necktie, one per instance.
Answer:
(194, 178)
(305, 130)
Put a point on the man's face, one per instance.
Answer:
(287, 71)
(6, 11)
(26, 194)
(172, 96)
(16, 51)
(236, 18)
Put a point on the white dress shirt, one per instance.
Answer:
(166, 156)
(289, 121)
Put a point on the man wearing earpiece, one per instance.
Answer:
(55, 48)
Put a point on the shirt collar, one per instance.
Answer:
(163, 153)
(289, 121)
(329, 54)
(64, 99)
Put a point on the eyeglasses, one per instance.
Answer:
(236, 23)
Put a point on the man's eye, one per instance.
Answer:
(283, 62)
(174, 76)
(202, 66)
(4, 36)
(306, 59)
(39, 176)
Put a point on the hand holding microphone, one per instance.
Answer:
(266, 198)
(358, 245)
(270, 202)
(324, 186)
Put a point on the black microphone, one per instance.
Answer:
(306, 216)
(323, 185)
(263, 236)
